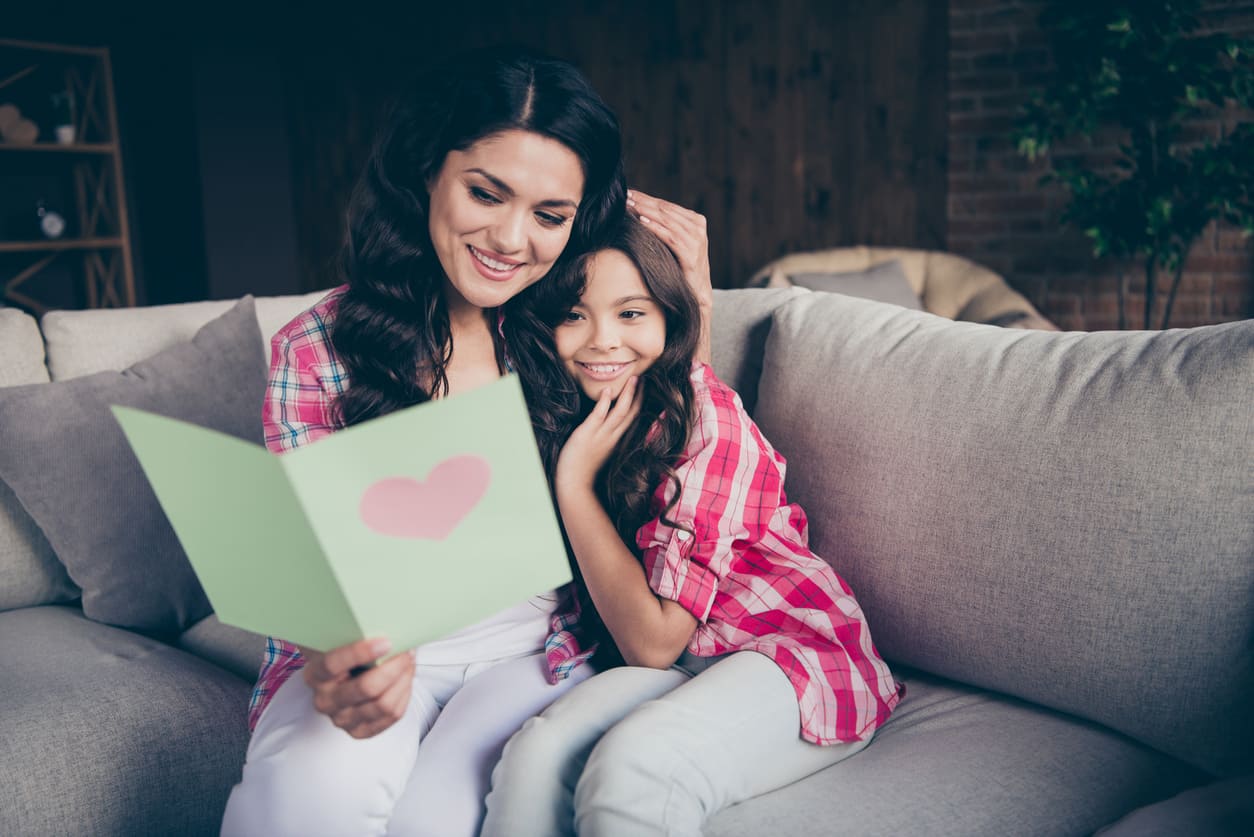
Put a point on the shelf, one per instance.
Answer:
(55, 147)
(60, 244)
(100, 249)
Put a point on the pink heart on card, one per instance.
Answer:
(403, 507)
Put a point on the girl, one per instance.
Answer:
(490, 169)
(688, 558)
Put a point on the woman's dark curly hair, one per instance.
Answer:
(391, 328)
(638, 482)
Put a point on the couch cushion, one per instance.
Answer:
(21, 349)
(1217, 809)
(953, 760)
(83, 342)
(1065, 517)
(108, 733)
(29, 571)
(739, 323)
(235, 649)
(67, 461)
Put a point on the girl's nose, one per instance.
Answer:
(605, 337)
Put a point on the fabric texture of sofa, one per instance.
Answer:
(1052, 535)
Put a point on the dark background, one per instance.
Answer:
(791, 124)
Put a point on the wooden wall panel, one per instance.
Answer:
(791, 125)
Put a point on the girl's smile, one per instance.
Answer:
(615, 331)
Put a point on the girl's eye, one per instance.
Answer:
(548, 219)
(483, 195)
(572, 316)
(631, 315)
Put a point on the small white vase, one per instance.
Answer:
(65, 134)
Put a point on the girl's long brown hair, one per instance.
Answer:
(638, 482)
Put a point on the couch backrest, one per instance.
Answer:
(1065, 517)
(80, 343)
(29, 571)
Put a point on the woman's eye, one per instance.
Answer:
(572, 316)
(551, 220)
(483, 195)
(631, 315)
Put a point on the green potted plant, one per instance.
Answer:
(1141, 72)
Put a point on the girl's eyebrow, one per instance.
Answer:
(634, 298)
(501, 185)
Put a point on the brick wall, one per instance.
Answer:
(1000, 217)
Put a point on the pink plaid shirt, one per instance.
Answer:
(304, 380)
(747, 575)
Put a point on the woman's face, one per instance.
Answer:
(615, 331)
(501, 213)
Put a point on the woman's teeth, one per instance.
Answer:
(491, 262)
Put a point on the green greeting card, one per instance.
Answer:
(409, 526)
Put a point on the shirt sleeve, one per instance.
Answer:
(297, 406)
(730, 484)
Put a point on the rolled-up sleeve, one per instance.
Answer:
(729, 486)
(298, 404)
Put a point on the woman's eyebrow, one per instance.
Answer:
(505, 187)
(634, 298)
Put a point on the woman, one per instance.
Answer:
(487, 173)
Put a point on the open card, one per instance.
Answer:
(408, 527)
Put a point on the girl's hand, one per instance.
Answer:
(684, 231)
(361, 701)
(594, 440)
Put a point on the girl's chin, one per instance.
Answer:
(593, 391)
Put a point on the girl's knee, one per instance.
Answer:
(634, 751)
(537, 750)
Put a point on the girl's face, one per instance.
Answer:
(615, 331)
(501, 213)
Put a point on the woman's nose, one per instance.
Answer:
(509, 233)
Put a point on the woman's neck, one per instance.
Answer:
(473, 362)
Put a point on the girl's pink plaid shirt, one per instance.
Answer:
(744, 572)
(747, 575)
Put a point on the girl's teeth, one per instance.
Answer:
(492, 263)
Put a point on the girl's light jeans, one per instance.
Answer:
(639, 751)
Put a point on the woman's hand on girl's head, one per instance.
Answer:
(592, 442)
(360, 698)
(684, 231)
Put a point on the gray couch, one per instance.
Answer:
(1052, 535)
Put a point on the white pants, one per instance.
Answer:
(427, 774)
(638, 751)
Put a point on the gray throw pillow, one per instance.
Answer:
(1064, 517)
(883, 282)
(739, 322)
(65, 457)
